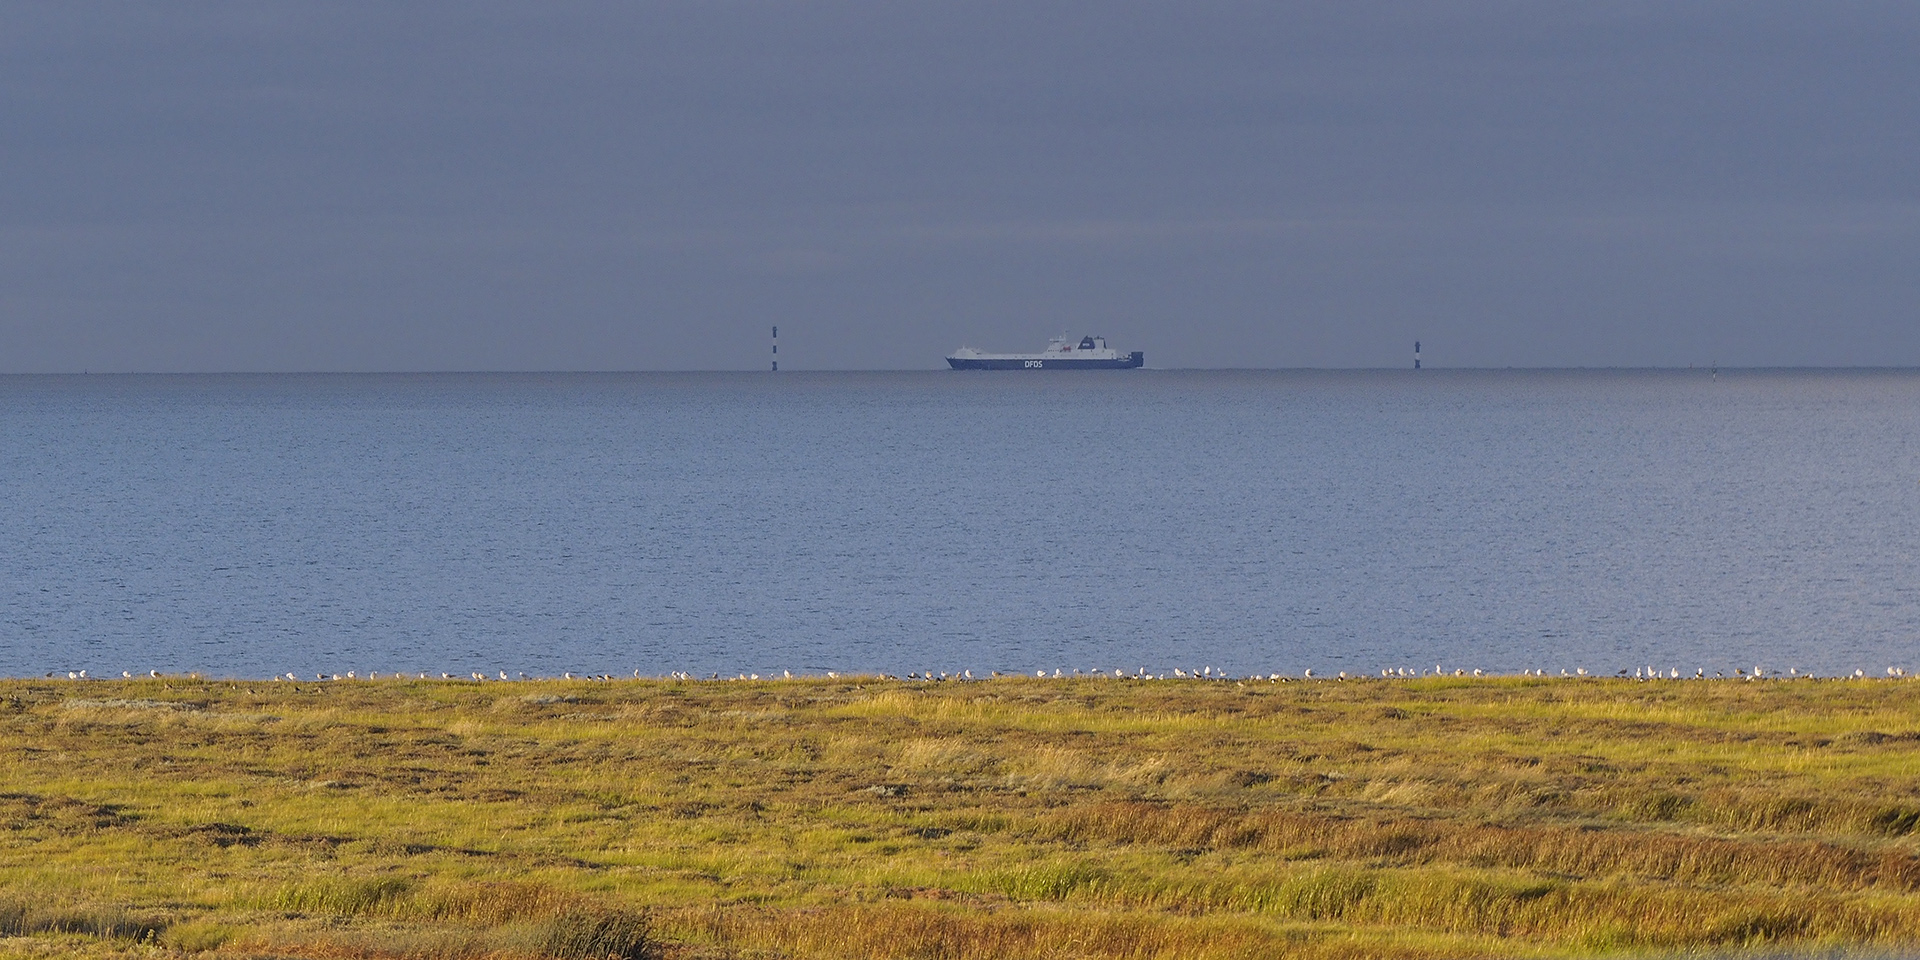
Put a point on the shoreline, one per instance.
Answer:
(968, 676)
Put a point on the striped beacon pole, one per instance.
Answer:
(1416, 354)
(776, 349)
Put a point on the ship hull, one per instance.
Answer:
(1128, 362)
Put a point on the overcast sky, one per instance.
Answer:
(560, 185)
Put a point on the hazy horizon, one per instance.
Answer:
(1425, 368)
(579, 185)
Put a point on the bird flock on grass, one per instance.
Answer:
(1205, 673)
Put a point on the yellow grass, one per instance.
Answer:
(1073, 818)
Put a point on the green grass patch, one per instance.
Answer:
(1072, 818)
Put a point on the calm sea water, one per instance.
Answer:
(1249, 521)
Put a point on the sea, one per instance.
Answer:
(1240, 522)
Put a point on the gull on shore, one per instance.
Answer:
(1643, 673)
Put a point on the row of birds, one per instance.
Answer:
(1204, 673)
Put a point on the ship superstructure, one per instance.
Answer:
(1062, 353)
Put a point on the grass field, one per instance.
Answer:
(1438, 817)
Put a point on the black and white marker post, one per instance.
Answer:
(776, 349)
(1416, 354)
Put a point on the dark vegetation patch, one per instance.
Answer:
(44, 912)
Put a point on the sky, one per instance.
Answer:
(560, 185)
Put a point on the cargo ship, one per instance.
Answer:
(1091, 353)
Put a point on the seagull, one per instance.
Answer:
(124, 675)
(154, 674)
